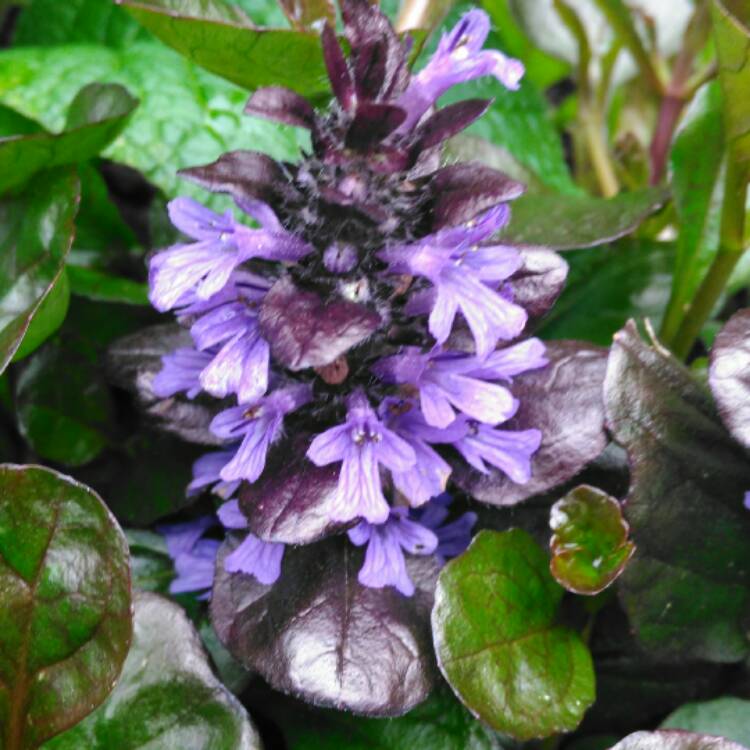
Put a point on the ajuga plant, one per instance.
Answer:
(363, 334)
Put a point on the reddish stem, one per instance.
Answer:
(669, 113)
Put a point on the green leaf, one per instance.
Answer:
(97, 285)
(150, 564)
(696, 159)
(609, 285)
(63, 406)
(167, 696)
(36, 231)
(589, 545)
(567, 222)
(686, 590)
(731, 23)
(221, 38)
(65, 617)
(723, 717)
(186, 116)
(498, 642)
(14, 123)
(440, 723)
(48, 22)
(96, 116)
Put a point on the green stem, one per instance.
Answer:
(731, 247)
(593, 129)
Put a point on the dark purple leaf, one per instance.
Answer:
(245, 175)
(539, 282)
(303, 331)
(729, 375)
(372, 123)
(564, 401)
(448, 121)
(133, 361)
(338, 69)
(464, 190)
(281, 105)
(321, 636)
(290, 503)
(687, 588)
(674, 739)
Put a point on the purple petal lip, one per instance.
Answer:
(256, 558)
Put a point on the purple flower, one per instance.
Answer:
(362, 443)
(429, 475)
(194, 558)
(507, 450)
(458, 58)
(207, 473)
(385, 564)
(258, 425)
(180, 372)
(453, 537)
(205, 267)
(461, 270)
(747, 500)
(446, 383)
(254, 556)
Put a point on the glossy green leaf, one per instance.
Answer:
(723, 717)
(589, 544)
(48, 22)
(150, 565)
(36, 231)
(63, 406)
(498, 642)
(186, 116)
(64, 604)
(14, 123)
(567, 222)
(440, 723)
(309, 14)
(687, 588)
(221, 38)
(731, 22)
(97, 285)
(609, 285)
(96, 116)
(167, 696)
(696, 159)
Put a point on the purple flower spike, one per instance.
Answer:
(429, 475)
(195, 569)
(445, 383)
(258, 425)
(194, 558)
(205, 267)
(453, 537)
(458, 58)
(461, 271)
(256, 558)
(206, 473)
(180, 373)
(509, 451)
(384, 559)
(362, 443)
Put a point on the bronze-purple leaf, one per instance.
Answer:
(684, 507)
(291, 502)
(539, 282)
(729, 375)
(372, 123)
(245, 175)
(564, 401)
(320, 635)
(462, 191)
(281, 105)
(303, 331)
(448, 121)
(338, 69)
(675, 739)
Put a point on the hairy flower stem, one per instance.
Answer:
(731, 247)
